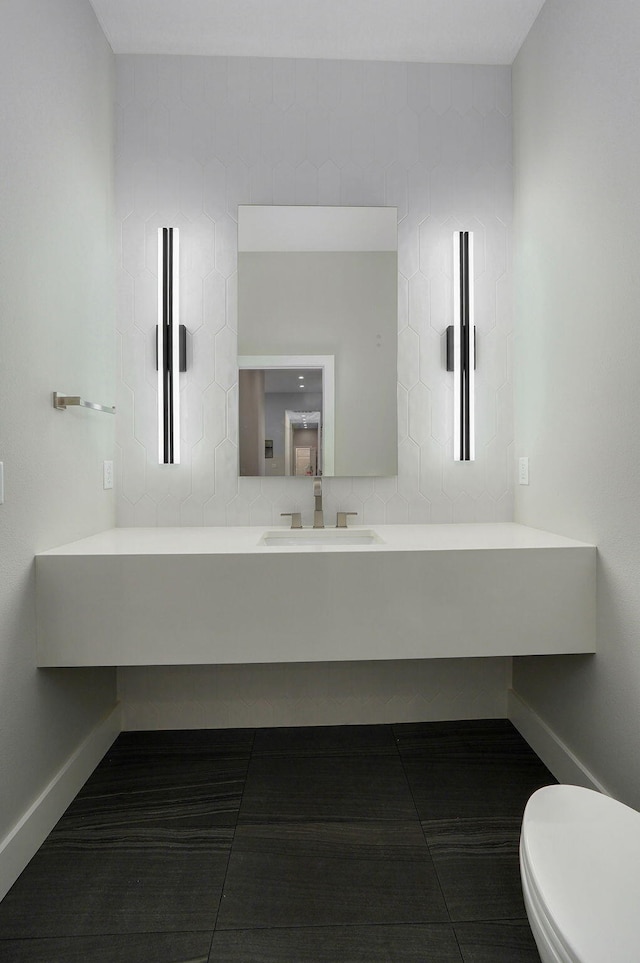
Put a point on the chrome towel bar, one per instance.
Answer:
(61, 402)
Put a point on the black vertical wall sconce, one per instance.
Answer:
(461, 348)
(171, 339)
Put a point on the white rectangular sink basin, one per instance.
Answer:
(320, 536)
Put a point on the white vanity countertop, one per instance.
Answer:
(241, 540)
(172, 596)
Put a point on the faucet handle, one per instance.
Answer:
(341, 519)
(296, 518)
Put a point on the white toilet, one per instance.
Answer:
(580, 870)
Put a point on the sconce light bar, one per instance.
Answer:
(168, 347)
(461, 348)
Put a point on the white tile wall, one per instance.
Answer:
(198, 136)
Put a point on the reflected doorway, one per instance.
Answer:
(303, 443)
(286, 409)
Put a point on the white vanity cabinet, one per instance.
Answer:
(221, 595)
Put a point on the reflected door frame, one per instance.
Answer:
(289, 457)
(327, 363)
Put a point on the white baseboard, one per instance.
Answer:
(26, 837)
(555, 754)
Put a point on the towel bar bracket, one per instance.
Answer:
(62, 402)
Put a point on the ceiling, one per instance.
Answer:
(292, 380)
(427, 31)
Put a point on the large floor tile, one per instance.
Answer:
(469, 769)
(358, 786)
(478, 867)
(473, 787)
(193, 807)
(119, 881)
(318, 739)
(134, 769)
(291, 891)
(336, 944)
(326, 874)
(212, 741)
(489, 736)
(185, 794)
(504, 942)
(196, 777)
(361, 839)
(137, 948)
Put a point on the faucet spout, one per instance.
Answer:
(318, 516)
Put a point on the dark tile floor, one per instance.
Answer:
(346, 844)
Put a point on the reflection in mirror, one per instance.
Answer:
(287, 417)
(317, 281)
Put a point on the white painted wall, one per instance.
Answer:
(56, 333)
(307, 694)
(197, 137)
(577, 242)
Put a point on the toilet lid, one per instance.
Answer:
(582, 854)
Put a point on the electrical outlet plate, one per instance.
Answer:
(107, 474)
(523, 471)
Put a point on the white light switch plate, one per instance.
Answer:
(523, 471)
(107, 474)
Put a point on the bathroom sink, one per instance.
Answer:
(320, 536)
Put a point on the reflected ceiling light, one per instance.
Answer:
(300, 377)
(461, 348)
(170, 347)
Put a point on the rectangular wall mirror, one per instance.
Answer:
(317, 340)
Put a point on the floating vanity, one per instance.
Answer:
(175, 596)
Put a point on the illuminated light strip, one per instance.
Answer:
(168, 347)
(464, 348)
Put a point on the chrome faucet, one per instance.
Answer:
(318, 517)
